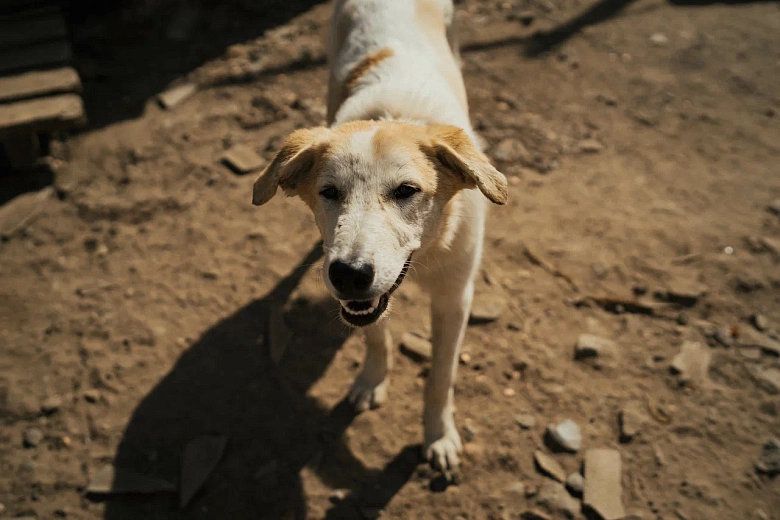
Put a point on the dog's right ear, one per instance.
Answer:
(292, 163)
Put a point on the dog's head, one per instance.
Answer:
(378, 191)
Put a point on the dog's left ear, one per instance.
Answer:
(450, 146)
(292, 162)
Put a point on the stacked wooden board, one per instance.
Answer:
(39, 90)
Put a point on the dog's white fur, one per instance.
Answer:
(397, 114)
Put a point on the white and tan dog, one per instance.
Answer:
(397, 178)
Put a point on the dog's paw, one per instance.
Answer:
(366, 393)
(442, 453)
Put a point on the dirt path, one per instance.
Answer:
(644, 157)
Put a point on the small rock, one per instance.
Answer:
(769, 461)
(768, 379)
(566, 435)
(2, 508)
(534, 514)
(603, 489)
(760, 322)
(752, 338)
(516, 488)
(110, 480)
(659, 39)
(486, 308)
(465, 359)
(759, 514)
(200, 458)
(242, 159)
(554, 498)
(590, 346)
(469, 430)
(176, 95)
(509, 392)
(510, 150)
(370, 513)
(685, 292)
(415, 347)
(525, 421)
(92, 395)
(339, 495)
(724, 337)
(692, 363)
(32, 437)
(774, 207)
(575, 484)
(51, 405)
(549, 466)
(631, 419)
(590, 146)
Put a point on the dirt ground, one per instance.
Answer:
(643, 150)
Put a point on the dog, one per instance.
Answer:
(396, 179)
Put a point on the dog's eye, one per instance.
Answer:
(329, 192)
(404, 191)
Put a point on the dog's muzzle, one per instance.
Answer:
(360, 313)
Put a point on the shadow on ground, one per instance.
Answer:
(227, 384)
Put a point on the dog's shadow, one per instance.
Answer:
(227, 384)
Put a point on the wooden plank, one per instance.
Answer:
(24, 31)
(35, 84)
(43, 114)
(35, 56)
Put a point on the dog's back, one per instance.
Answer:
(380, 50)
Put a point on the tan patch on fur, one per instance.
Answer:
(368, 62)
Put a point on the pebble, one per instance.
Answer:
(774, 207)
(465, 359)
(759, 514)
(510, 150)
(590, 346)
(32, 437)
(553, 497)
(768, 379)
(526, 421)
(631, 418)
(752, 338)
(516, 488)
(566, 435)
(242, 159)
(487, 308)
(51, 405)
(509, 392)
(370, 513)
(724, 337)
(659, 39)
(769, 461)
(590, 146)
(469, 430)
(417, 348)
(685, 291)
(2, 508)
(549, 466)
(760, 322)
(92, 395)
(692, 363)
(603, 489)
(575, 484)
(339, 495)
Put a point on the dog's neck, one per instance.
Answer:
(381, 102)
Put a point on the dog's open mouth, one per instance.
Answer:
(360, 313)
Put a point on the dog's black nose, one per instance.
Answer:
(350, 279)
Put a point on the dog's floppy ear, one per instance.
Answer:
(450, 146)
(294, 160)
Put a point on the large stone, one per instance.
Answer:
(692, 364)
(631, 419)
(510, 150)
(553, 497)
(486, 308)
(566, 436)
(769, 461)
(591, 346)
(417, 348)
(603, 489)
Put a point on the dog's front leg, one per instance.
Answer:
(449, 314)
(370, 387)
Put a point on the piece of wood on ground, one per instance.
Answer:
(176, 95)
(242, 159)
(18, 211)
(60, 112)
(39, 83)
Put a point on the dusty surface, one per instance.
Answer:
(134, 304)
